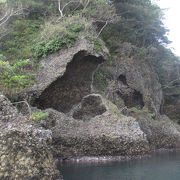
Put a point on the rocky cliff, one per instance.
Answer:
(95, 107)
(24, 151)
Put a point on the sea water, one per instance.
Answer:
(160, 166)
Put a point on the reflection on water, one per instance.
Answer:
(161, 166)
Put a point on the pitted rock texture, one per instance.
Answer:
(91, 106)
(86, 124)
(24, 153)
(168, 70)
(55, 66)
(161, 133)
(127, 82)
(109, 133)
(7, 113)
(130, 97)
(172, 106)
(69, 89)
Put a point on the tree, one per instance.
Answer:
(141, 22)
(6, 12)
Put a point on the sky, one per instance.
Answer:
(172, 22)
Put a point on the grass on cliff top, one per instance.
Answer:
(54, 36)
(32, 39)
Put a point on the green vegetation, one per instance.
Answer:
(151, 114)
(97, 45)
(141, 26)
(39, 116)
(176, 121)
(58, 36)
(17, 45)
(100, 80)
(12, 76)
(141, 23)
(42, 49)
(118, 114)
(40, 29)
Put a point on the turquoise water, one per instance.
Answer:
(161, 166)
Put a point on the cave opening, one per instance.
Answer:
(122, 78)
(131, 97)
(68, 90)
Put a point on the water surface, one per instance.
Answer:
(161, 166)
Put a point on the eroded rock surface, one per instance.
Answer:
(106, 133)
(24, 153)
(69, 89)
(172, 105)
(91, 106)
(125, 82)
(161, 133)
(85, 123)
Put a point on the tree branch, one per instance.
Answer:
(102, 29)
(29, 109)
(68, 4)
(7, 15)
(86, 4)
(168, 85)
(59, 7)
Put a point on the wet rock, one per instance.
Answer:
(24, 153)
(160, 133)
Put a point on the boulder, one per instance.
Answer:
(24, 151)
(104, 132)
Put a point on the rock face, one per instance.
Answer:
(104, 132)
(24, 153)
(128, 83)
(85, 123)
(69, 89)
(96, 107)
(161, 133)
(169, 73)
(90, 107)
(172, 106)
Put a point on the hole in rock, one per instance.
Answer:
(131, 97)
(69, 89)
(122, 78)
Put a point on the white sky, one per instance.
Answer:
(172, 22)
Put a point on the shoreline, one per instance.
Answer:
(104, 159)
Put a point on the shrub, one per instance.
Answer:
(13, 76)
(149, 113)
(54, 37)
(46, 47)
(19, 81)
(39, 116)
(97, 45)
(76, 27)
(22, 31)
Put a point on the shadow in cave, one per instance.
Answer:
(69, 89)
(131, 97)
